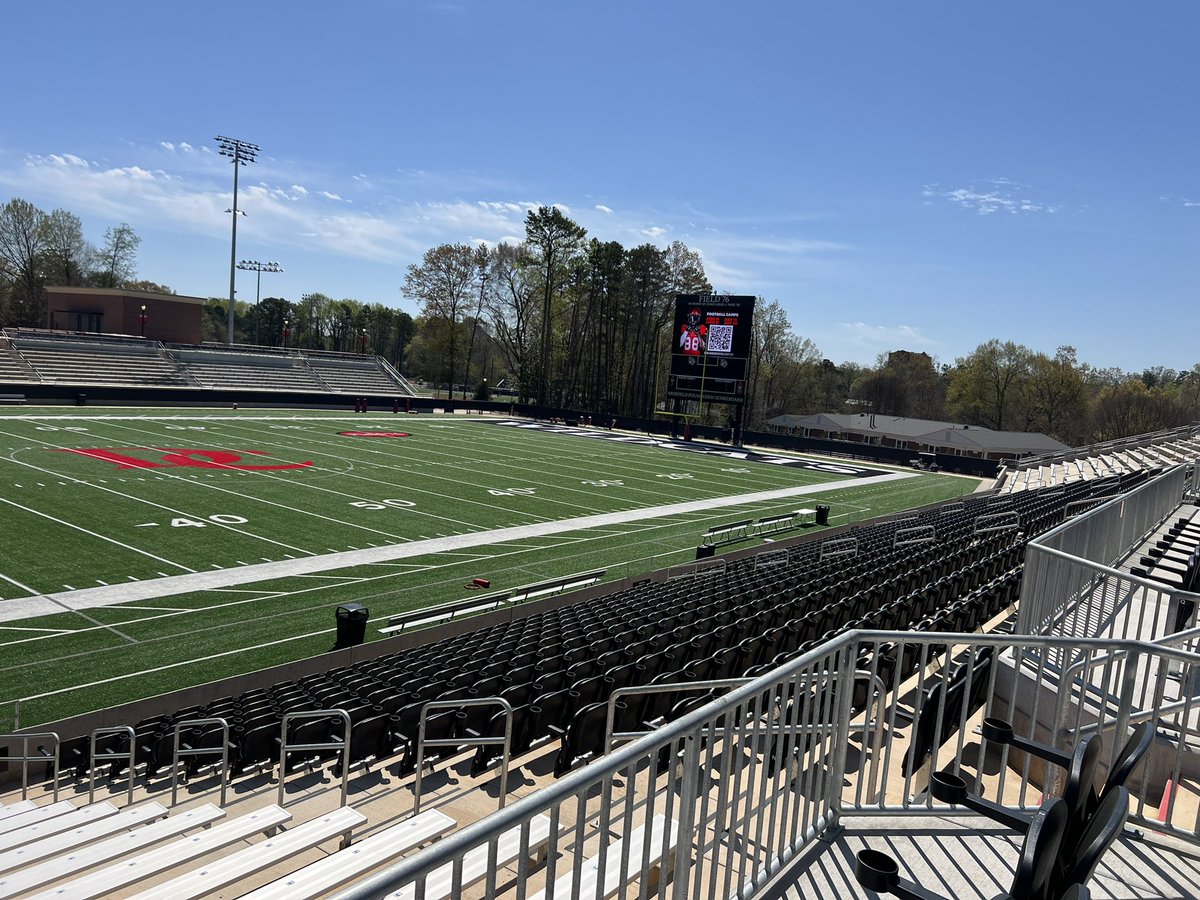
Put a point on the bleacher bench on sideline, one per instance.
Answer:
(93, 854)
(12, 398)
(440, 882)
(730, 531)
(221, 873)
(446, 612)
(346, 865)
(111, 879)
(614, 878)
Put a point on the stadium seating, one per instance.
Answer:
(93, 361)
(558, 668)
(37, 356)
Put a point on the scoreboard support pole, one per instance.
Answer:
(738, 421)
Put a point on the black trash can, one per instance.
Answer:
(822, 514)
(351, 625)
(704, 551)
(81, 399)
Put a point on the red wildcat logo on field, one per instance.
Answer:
(374, 434)
(180, 458)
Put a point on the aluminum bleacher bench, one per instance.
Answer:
(227, 870)
(11, 809)
(730, 531)
(31, 815)
(111, 879)
(102, 851)
(662, 843)
(339, 868)
(445, 612)
(440, 882)
(83, 833)
(12, 398)
(64, 820)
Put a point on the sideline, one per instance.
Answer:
(49, 604)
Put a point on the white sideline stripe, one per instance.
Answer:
(88, 598)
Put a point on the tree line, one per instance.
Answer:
(565, 319)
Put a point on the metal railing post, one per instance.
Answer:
(25, 759)
(505, 742)
(201, 751)
(343, 745)
(112, 757)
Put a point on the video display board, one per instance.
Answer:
(710, 354)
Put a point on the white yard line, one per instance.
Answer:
(26, 607)
(26, 588)
(88, 531)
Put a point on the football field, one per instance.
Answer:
(146, 550)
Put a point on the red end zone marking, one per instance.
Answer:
(374, 434)
(178, 458)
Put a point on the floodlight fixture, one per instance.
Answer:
(240, 153)
(253, 265)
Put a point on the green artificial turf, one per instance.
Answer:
(70, 521)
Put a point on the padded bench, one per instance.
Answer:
(339, 868)
(93, 854)
(589, 886)
(223, 872)
(440, 882)
(109, 880)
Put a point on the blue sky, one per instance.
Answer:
(921, 175)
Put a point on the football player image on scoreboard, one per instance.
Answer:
(692, 337)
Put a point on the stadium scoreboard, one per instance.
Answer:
(710, 352)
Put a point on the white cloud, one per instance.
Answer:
(654, 232)
(892, 337)
(330, 196)
(299, 190)
(995, 195)
(604, 209)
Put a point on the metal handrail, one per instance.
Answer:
(112, 757)
(344, 745)
(478, 741)
(202, 751)
(576, 783)
(25, 759)
(1006, 521)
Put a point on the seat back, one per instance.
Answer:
(1036, 869)
(1102, 829)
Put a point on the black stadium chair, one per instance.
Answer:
(1033, 880)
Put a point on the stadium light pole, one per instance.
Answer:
(142, 319)
(253, 265)
(241, 154)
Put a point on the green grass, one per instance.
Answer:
(71, 522)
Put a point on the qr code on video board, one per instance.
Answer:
(720, 338)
